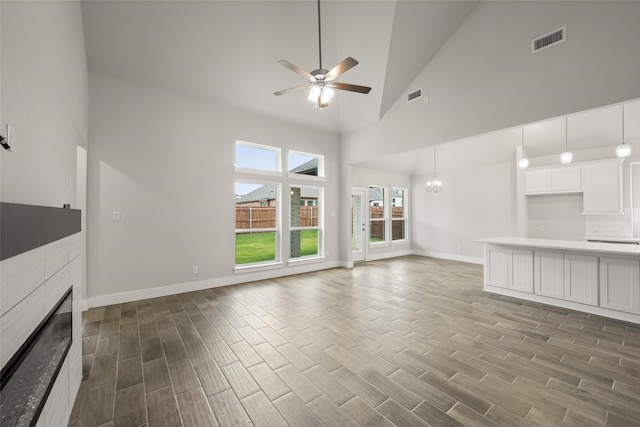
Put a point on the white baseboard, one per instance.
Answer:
(619, 315)
(161, 291)
(385, 255)
(450, 257)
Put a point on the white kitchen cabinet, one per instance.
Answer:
(520, 271)
(581, 278)
(537, 181)
(620, 284)
(602, 185)
(509, 268)
(558, 179)
(495, 271)
(566, 179)
(549, 274)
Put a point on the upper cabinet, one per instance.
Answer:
(600, 182)
(553, 180)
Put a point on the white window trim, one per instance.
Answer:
(276, 150)
(265, 265)
(404, 218)
(320, 158)
(319, 227)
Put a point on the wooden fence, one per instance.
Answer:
(251, 217)
(377, 227)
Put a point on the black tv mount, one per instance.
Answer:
(4, 143)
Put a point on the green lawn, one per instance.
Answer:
(259, 247)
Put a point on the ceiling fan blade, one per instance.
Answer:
(342, 67)
(295, 69)
(352, 88)
(291, 89)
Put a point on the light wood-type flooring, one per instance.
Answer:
(411, 341)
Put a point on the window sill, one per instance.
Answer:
(303, 177)
(400, 242)
(257, 267)
(307, 260)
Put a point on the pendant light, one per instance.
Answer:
(623, 150)
(523, 163)
(434, 185)
(567, 156)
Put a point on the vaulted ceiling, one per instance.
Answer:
(226, 51)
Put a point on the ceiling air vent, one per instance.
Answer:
(549, 39)
(412, 96)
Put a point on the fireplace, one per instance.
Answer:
(26, 380)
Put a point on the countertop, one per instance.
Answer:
(567, 245)
(611, 239)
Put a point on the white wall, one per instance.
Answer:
(166, 162)
(559, 215)
(365, 178)
(45, 99)
(474, 203)
(485, 77)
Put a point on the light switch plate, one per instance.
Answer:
(8, 142)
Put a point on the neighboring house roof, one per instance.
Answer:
(308, 168)
(375, 193)
(268, 192)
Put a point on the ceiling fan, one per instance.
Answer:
(322, 82)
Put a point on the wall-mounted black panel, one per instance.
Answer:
(26, 227)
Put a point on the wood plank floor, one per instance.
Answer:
(410, 341)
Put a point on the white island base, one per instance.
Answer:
(598, 278)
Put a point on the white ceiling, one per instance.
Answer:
(226, 51)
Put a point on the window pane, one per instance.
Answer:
(398, 230)
(304, 213)
(376, 202)
(376, 233)
(256, 206)
(305, 164)
(251, 157)
(397, 203)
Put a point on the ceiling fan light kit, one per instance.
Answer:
(322, 82)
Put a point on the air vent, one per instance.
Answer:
(412, 96)
(548, 40)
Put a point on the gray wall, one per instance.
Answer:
(45, 99)
(166, 162)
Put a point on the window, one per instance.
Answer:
(256, 222)
(398, 214)
(257, 157)
(304, 222)
(377, 215)
(306, 164)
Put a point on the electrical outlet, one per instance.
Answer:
(541, 228)
(116, 215)
(195, 269)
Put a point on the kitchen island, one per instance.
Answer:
(594, 277)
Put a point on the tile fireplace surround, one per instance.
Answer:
(40, 266)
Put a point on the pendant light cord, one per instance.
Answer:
(524, 153)
(319, 38)
(623, 123)
(434, 161)
(566, 133)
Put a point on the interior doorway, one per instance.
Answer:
(358, 224)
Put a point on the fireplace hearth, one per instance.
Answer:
(26, 380)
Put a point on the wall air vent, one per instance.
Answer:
(549, 39)
(412, 96)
